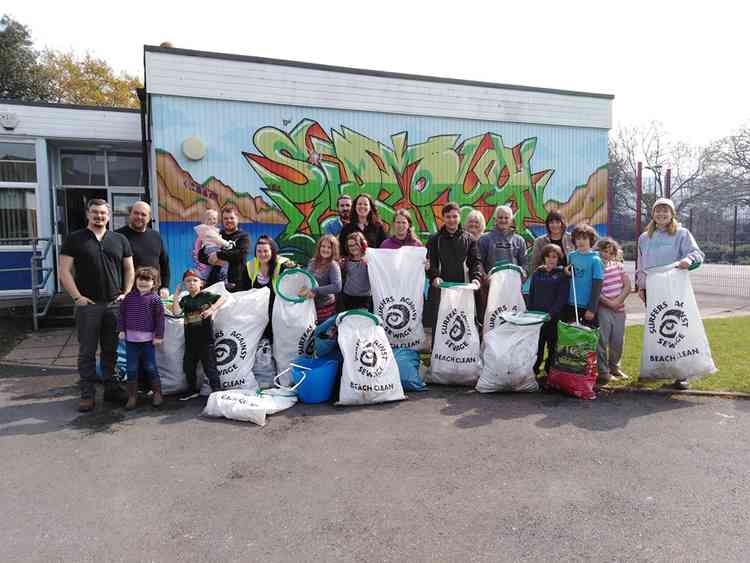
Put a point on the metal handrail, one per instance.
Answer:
(36, 267)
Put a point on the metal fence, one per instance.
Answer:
(729, 280)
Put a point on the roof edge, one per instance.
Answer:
(367, 72)
(67, 106)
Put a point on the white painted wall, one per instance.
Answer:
(218, 78)
(72, 123)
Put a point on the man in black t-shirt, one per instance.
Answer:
(96, 269)
(148, 247)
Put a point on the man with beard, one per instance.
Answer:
(148, 247)
(96, 269)
(234, 252)
(344, 205)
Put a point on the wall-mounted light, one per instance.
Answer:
(193, 148)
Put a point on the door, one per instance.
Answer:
(73, 216)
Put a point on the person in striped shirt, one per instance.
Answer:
(611, 313)
(141, 326)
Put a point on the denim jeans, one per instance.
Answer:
(143, 355)
(96, 325)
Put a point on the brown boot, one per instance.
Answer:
(156, 388)
(86, 405)
(132, 395)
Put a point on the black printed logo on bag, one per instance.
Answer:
(668, 322)
(397, 315)
(496, 320)
(231, 350)
(306, 342)
(456, 330)
(371, 356)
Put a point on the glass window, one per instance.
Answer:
(17, 215)
(17, 162)
(125, 169)
(121, 204)
(82, 168)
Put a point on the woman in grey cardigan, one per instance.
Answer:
(555, 224)
(324, 266)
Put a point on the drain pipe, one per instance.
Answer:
(145, 144)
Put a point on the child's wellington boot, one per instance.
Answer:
(132, 395)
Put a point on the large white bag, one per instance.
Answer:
(370, 373)
(506, 281)
(674, 340)
(293, 320)
(238, 327)
(169, 356)
(248, 406)
(397, 282)
(455, 344)
(510, 351)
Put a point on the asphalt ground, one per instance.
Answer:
(449, 475)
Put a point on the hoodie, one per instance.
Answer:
(662, 249)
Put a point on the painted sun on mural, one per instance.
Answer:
(305, 170)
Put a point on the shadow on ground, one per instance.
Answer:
(37, 405)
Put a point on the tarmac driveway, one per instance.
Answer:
(448, 475)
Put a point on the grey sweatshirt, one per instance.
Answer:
(496, 246)
(356, 279)
(329, 284)
(662, 249)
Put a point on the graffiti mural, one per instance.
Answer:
(284, 167)
(306, 170)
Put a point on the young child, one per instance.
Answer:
(548, 292)
(199, 308)
(587, 282)
(141, 325)
(209, 239)
(356, 291)
(611, 313)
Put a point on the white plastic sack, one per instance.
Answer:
(455, 344)
(169, 356)
(674, 340)
(293, 320)
(247, 406)
(370, 373)
(505, 295)
(397, 282)
(238, 326)
(510, 351)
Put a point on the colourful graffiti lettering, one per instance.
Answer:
(304, 171)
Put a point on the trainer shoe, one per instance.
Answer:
(619, 374)
(681, 384)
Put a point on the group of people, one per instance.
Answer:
(118, 278)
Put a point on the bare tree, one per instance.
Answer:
(729, 167)
(653, 146)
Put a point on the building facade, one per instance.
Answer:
(281, 140)
(53, 158)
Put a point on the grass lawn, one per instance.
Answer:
(730, 345)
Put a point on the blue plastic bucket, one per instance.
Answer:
(320, 377)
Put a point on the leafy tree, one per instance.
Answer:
(88, 81)
(21, 76)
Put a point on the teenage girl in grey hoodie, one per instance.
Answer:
(665, 242)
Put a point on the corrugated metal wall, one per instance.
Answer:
(284, 166)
